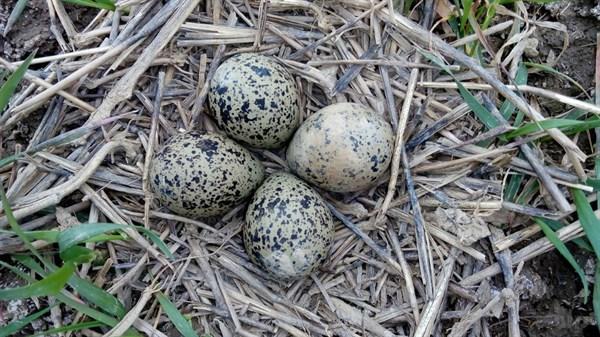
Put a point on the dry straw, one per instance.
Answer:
(394, 269)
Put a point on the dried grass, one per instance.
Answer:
(393, 271)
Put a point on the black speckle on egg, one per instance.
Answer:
(297, 224)
(260, 103)
(255, 100)
(260, 70)
(200, 174)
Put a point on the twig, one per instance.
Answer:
(399, 143)
(490, 31)
(363, 236)
(536, 164)
(150, 148)
(354, 70)
(123, 89)
(407, 273)
(352, 315)
(296, 56)
(428, 40)
(199, 101)
(36, 80)
(133, 314)
(536, 248)
(512, 301)
(420, 232)
(460, 329)
(520, 88)
(201, 256)
(432, 310)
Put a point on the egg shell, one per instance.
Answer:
(200, 174)
(289, 229)
(254, 99)
(343, 147)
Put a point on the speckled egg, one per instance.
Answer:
(200, 174)
(343, 147)
(255, 100)
(289, 228)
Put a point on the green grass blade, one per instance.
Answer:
(71, 327)
(545, 125)
(102, 299)
(593, 182)
(519, 119)
(513, 186)
(507, 108)
(95, 314)
(553, 71)
(14, 225)
(454, 25)
(87, 310)
(80, 233)
(529, 190)
(157, 241)
(582, 242)
(564, 251)
(478, 109)
(78, 254)
(596, 296)
(578, 113)
(48, 236)
(182, 324)
(108, 5)
(464, 17)
(89, 291)
(14, 15)
(18, 325)
(77, 234)
(77, 305)
(584, 126)
(50, 285)
(52, 236)
(588, 219)
(490, 13)
(9, 87)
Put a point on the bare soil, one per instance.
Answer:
(582, 21)
(555, 306)
(32, 31)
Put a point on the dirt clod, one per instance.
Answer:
(30, 32)
(468, 228)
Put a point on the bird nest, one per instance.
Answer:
(435, 247)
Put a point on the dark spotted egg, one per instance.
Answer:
(255, 100)
(200, 174)
(343, 147)
(289, 228)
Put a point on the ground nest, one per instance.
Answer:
(439, 246)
